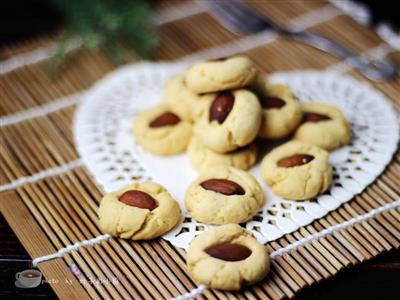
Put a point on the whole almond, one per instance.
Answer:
(221, 107)
(314, 117)
(223, 186)
(295, 160)
(271, 102)
(229, 252)
(138, 199)
(167, 118)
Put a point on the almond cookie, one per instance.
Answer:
(323, 125)
(160, 131)
(297, 170)
(222, 74)
(223, 195)
(227, 258)
(203, 158)
(232, 121)
(139, 211)
(281, 112)
(180, 99)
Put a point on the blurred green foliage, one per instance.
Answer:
(116, 26)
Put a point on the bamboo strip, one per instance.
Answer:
(294, 271)
(35, 241)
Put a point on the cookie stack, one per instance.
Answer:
(214, 100)
(215, 111)
(232, 116)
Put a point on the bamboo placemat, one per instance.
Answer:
(56, 211)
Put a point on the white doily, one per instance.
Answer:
(104, 140)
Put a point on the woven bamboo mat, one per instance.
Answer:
(60, 210)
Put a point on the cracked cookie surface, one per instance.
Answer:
(281, 113)
(203, 158)
(310, 177)
(219, 75)
(161, 132)
(235, 197)
(238, 129)
(323, 125)
(131, 222)
(224, 274)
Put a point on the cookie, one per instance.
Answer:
(324, 126)
(139, 211)
(222, 74)
(162, 132)
(297, 171)
(223, 195)
(227, 258)
(232, 120)
(203, 158)
(281, 113)
(180, 99)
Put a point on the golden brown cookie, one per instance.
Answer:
(227, 258)
(297, 171)
(162, 132)
(222, 74)
(139, 211)
(180, 99)
(281, 113)
(324, 126)
(232, 121)
(223, 195)
(203, 158)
